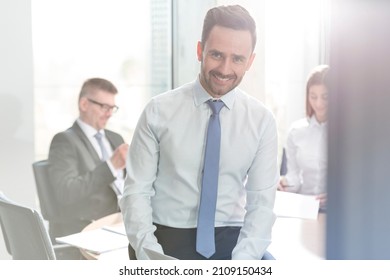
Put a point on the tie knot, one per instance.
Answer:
(215, 105)
(99, 136)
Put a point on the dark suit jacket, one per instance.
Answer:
(81, 181)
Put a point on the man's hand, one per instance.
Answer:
(282, 184)
(118, 158)
(323, 199)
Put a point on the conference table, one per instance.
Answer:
(292, 238)
(299, 239)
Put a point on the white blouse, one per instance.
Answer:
(306, 152)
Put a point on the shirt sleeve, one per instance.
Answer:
(255, 234)
(293, 171)
(141, 169)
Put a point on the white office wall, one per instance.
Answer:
(16, 101)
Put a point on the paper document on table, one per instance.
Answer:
(116, 228)
(296, 205)
(96, 241)
(121, 254)
(154, 255)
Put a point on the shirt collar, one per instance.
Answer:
(87, 129)
(201, 95)
(314, 122)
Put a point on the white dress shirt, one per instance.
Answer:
(165, 161)
(306, 152)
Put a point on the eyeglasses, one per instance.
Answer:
(105, 107)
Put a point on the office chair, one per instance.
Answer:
(24, 232)
(7, 246)
(48, 204)
(47, 199)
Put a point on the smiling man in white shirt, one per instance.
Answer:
(165, 164)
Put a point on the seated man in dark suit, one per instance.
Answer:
(87, 162)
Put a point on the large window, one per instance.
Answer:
(296, 40)
(125, 41)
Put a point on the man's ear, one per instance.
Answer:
(83, 104)
(199, 51)
(250, 61)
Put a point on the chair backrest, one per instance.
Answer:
(25, 232)
(47, 199)
(4, 198)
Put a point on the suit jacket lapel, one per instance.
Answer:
(89, 150)
(112, 140)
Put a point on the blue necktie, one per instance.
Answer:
(99, 137)
(205, 243)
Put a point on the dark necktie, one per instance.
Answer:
(205, 243)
